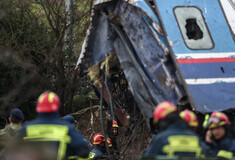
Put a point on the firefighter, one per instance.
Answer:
(109, 143)
(115, 128)
(112, 155)
(16, 120)
(175, 136)
(190, 118)
(99, 146)
(113, 136)
(112, 133)
(217, 136)
(48, 130)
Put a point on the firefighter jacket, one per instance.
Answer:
(97, 152)
(224, 148)
(8, 133)
(51, 131)
(177, 139)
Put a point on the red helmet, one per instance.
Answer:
(109, 142)
(218, 119)
(48, 102)
(162, 110)
(98, 138)
(189, 117)
(115, 124)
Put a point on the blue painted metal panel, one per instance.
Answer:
(218, 98)
(218, 70)
(150, 57)
(209, 92)
(141, 49)
(152, 18)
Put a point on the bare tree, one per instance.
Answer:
(34, 48)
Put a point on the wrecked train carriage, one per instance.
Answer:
(167, 50)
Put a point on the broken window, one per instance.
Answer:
(193, 28)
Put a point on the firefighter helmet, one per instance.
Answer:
(162, 110)
(98, 138)
(48, 102)
(189, 117)
(109, 142)
(115, 124)
(218, 119)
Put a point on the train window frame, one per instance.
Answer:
(233, 3)
(200, 43)
(229, 22)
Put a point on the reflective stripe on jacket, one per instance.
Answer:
(57, 134)
(96, 152)
(224, 148)
(177, 139)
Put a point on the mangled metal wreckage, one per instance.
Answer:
(165, 50)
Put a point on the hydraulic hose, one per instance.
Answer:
(101, 111)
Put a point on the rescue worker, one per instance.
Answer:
(175, 136)
(115, 128)
(16, 120)
(48, 130)
(112, 155)
(70, 119)
(217, 136)
(109, 142)
(114, 135)
(190, 118)
(99, 146)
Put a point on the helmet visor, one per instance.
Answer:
(215, 122)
